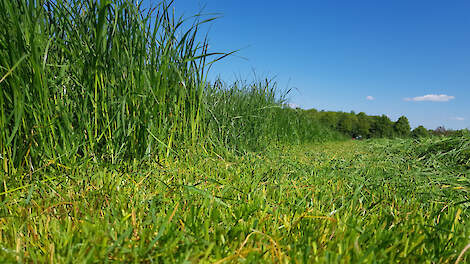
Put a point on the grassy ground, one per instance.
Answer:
(102, 105)
(346, 202)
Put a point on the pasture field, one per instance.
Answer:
(373, 201)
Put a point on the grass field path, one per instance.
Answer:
(339, 202)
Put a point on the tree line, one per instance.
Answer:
(362, 125)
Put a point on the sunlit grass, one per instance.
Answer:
(344, 202)
(251, 116)
(106, 80)
(114, 148)
(111, 81)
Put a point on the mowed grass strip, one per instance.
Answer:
(346, 202)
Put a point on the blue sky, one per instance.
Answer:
(396, 57)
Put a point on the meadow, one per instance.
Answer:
(115, 148)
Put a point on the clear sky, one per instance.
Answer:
(396, 57)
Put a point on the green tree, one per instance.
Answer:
(329, 119)
(382, 127)
(402, 127)
(363, 125)
(345, 124)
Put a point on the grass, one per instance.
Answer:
(114, 148)
(112, 81)
(345, 202)
(107, 80)
(251, 116)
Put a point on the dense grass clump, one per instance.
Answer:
(250, 116)
(96, 79)
(451, 151)
(111, 81)
(435, 152)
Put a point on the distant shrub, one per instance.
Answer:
(420, 132)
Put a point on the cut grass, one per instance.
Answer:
(346, 202)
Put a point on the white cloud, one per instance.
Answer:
(432, 98)
(458, 118)
(370, 98)
(292, 105)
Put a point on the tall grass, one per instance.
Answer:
(99, 79)
(113, 81)
(250, 116)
